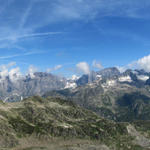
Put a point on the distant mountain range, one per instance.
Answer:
(16, 88)
(110, 93)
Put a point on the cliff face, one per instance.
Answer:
(15, 89)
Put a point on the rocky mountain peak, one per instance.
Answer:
(109, 72)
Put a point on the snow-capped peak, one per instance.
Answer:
(74, 77)
(71, 85)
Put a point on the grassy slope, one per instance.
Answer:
(120, 103)
(44, 119)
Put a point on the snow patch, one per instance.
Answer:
(142, 77)
(109, 83)
(98, 77)
(70, 85)
(74, 78)
(125, 79)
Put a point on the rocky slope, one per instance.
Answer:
(113, 95)
(50, 119)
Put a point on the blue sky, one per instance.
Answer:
(73, 36)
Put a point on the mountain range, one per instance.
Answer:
(111, 94)
(104, 110)
(14, 88)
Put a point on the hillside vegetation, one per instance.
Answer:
(39, 122)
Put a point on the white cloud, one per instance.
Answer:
(4, 73)
(22, 54)
(16, 37)
(31, 70)
(9, 56)
(26, 14)
(15, 74)
(97, 65)
(87, 9)
(57, 67)
(11, 71)
(7, 66)
(83, 67)
(74, 77)
(23, 22)
(132, 65)
(144, 63)
(11, 64)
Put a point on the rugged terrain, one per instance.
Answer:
(113, 95)
(50, 123)
(13, 88)
(112, 111)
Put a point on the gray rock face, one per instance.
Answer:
(37, 84)
(109, 72)
(105, 74)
